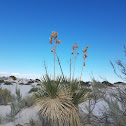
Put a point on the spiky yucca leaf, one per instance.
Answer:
(49, 88)
(78, 93)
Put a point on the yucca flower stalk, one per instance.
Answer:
(84, 57)
(56, 41)
(74, 48)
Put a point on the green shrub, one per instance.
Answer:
(28, 100)
(13, 77)
(5, 96)
(1, 81)
(7, 83)
(16, 103)
(33, 90)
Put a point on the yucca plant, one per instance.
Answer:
(58, 99)
(56, 105)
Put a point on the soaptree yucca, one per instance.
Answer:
(58, 99)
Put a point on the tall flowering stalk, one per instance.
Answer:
(56, 41)
(84, 57)
(74, 48)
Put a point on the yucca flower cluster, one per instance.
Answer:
(74, 48)
(85, 54)
(84, 57)
(54, 36)
(56, 41)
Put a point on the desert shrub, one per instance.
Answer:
(1, 81)
(13, 77)
(33, 90)
(28, 101)
(117, 107)
(115, 111)
(5, 96)
(96, 94)
(13, 110)
(117, 103)
(7, 83)
(16, 103)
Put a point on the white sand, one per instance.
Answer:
(23, 117)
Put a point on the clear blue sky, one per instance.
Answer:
(26, 25)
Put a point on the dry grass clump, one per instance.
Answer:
(60, 111)
(56, 105)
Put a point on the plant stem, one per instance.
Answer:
(74, 65)
(70, 69)
(54, 59)
(81, 72)
(60, 66)
(45, 67)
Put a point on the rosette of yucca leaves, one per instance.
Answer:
(55, 103)
(78, 92)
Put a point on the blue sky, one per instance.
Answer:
(26, 25)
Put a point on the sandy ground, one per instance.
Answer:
(22, 117)
(26, 114)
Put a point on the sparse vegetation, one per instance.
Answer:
(59, 99)
(5, 96)
(16, 104)
(1, 81)
(7, 83)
